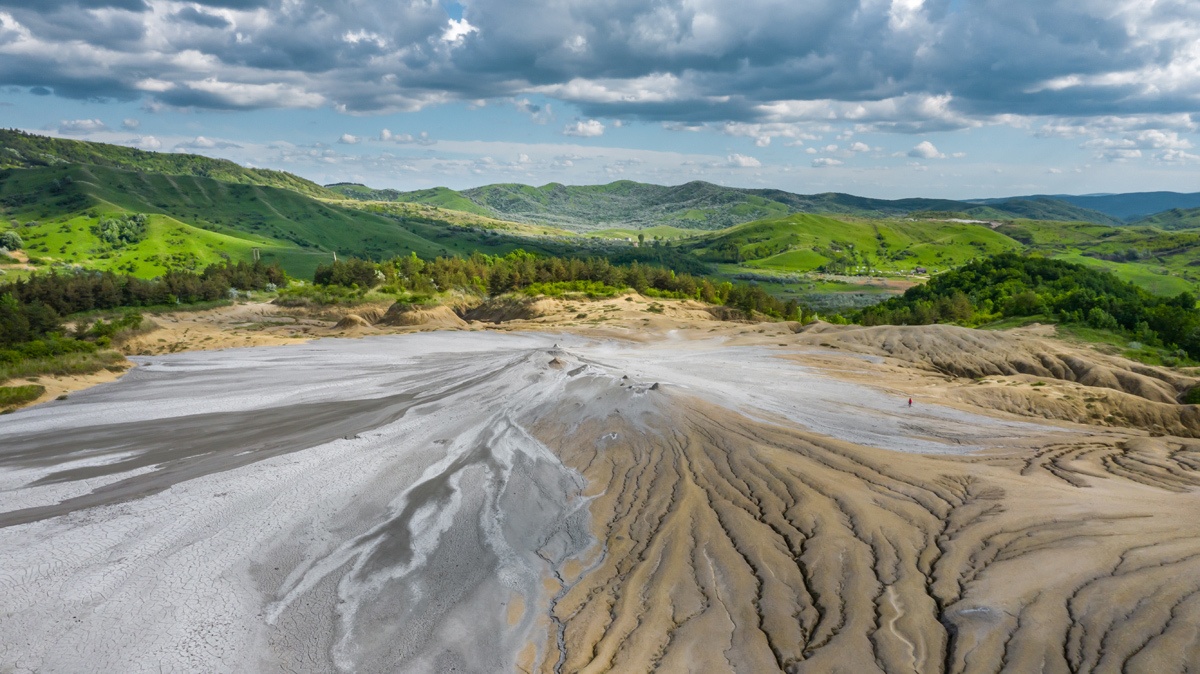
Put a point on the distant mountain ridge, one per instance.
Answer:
(1127, 207)
(697, 205)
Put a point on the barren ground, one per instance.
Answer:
(618, 485)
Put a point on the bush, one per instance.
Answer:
(121, 231)
(11, 240)
(348, 273)
(1192, 397)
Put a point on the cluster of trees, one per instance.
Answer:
(31, 309)
(490, 275)
(1011, 285)
(121, 231)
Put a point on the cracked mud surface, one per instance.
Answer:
(478, 501)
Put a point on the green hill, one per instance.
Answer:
(197, 220)
(803, 242)
(698, 205)
(1176, 218)
(1125, 207)
(23, 150)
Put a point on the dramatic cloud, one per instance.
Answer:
(907, 65)
(585, 129)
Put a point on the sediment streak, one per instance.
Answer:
(488, 503)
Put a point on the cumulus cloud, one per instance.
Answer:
(859, 146)
(131, 124)
(585, 129)
(348, 139)
(76, 127)
(826, 162)
(145, 143)
(905, 66)
(926, 150)
(742, 161)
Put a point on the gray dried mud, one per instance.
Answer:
(489, 502)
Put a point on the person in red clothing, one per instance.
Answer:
(910, 402)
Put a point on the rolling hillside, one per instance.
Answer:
(1125, 207)
(196, 220)
(1176, 218)
(23, 150)
(696, 205)
(803, 242)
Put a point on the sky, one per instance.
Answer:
(881, 98)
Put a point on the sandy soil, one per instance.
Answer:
(612, 486)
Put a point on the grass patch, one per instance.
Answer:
(62, 365)
(1192, 397)
(11, 396)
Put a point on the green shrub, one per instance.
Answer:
(11, 240)
(18, 395)
(1192, 397)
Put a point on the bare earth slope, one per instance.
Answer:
(710, 498)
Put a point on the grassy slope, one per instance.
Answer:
(1164, 262)
(21, 150)
(205, 218)
(805, 242)
(1177, 218)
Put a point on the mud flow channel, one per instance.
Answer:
(485, 502)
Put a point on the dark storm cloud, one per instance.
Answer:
(193, 15)
(907, 65)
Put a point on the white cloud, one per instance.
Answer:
(347, 139)
(457, 30)
(406, 138)
(74, 127)
(825, 162)
(585, 129)
(145, 143)
(859, 146)
(130, 124)
(204, 143)
(742, 161)
(926, 150)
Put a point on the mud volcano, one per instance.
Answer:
(498, 502)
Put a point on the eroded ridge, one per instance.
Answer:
(735, 544)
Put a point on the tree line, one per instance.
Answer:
(491, 275)
(1011, 285)
(32, 309)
